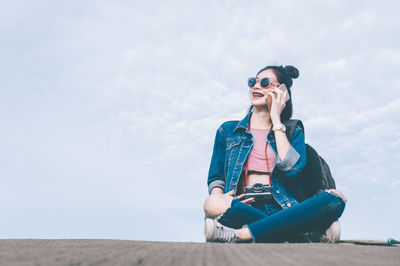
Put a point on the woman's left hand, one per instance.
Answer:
(278, 102)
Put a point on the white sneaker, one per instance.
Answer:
(332, 234)
(216, 232)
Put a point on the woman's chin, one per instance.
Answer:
(259, 103)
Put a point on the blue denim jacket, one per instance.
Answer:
(232, 146)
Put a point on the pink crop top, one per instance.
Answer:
(257, 158)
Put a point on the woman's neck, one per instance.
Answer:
(260, 119)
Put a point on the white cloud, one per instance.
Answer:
(358, 21)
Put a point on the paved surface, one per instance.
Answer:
(124, 252)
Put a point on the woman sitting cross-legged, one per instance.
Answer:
(253, 174)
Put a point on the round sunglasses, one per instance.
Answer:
(264, 82)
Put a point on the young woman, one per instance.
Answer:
(253, 173)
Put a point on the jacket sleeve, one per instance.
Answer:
(216, 174)
(295, 159)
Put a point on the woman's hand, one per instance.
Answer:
(278, 96)
(217, 203)
(230, 197)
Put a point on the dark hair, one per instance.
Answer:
(285, 76)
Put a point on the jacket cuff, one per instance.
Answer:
(291, 158)
(216, 183)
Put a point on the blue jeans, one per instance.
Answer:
(269, 223)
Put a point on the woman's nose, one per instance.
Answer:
(257, 86)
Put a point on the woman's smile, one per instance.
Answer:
(257, 95)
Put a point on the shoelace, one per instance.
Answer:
(224, 234)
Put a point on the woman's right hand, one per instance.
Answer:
(230, 194)
(218, 202)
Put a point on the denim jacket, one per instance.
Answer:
(232, 146)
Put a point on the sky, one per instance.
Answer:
(109, 109)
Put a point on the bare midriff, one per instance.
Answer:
(257, 178)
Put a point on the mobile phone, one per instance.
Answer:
(283, 88)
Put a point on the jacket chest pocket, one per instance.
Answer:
(232, 148)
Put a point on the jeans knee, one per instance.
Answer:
(337, 193)
(215, 205)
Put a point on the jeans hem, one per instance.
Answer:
(252, 236)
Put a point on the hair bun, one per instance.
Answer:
(292, 71)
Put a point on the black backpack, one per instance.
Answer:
(316, 176)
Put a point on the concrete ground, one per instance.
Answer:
(126, 252)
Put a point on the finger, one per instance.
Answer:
(282, 87)
(280, 90)
(240, 196)
(282, 96)
(279, 96)
(247, 200)
(230, 193)
(272, 95)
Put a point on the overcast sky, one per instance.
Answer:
(108, 109)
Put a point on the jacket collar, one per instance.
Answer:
(244, 126)
(244, 123)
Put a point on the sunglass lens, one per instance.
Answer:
(251, 82)
(264, 82)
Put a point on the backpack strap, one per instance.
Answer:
(291, 127)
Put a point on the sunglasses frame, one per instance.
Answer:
(263, 82)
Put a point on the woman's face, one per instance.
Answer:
(258, 93)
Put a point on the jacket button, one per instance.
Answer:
(278, 191)
(289, 204)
